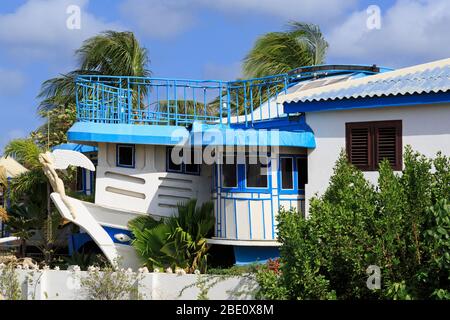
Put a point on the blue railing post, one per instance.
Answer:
(228, 104)
(176, 101)
(130, 102)
(77, 105)
(245, 103)
(220, 103)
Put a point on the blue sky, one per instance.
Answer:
(201, 38)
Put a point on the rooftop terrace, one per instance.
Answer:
(181, 102)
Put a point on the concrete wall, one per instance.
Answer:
(426, 128)
(65, 285)
(147, 187)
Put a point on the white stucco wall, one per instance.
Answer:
(147, 187)
(65, 285)
(426, 128)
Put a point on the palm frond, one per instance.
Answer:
(3, 215)
(311, 36)
(25, 151)
(279, 52)
(31, 184)
(114, 53)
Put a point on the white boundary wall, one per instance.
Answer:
(64, 285)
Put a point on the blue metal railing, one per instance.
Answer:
(142, 100)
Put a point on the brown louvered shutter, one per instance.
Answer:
(368, 143)
(359, 145)
(388, 143)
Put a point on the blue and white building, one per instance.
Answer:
(284, 134)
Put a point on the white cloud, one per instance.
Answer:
(37, 29)
(412, 31)
(166, 18)
(11, 81)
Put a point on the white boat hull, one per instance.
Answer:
(92, 219)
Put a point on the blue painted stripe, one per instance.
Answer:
(249, 219)
(235, 219)
(263, 220)
(363, 103)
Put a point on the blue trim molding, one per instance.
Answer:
(127, 133)
(363, 103)
(295, 172)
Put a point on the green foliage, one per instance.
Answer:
(279, 52)
(402, 226)
(271, 287)
(110, 284)
(176, 242)
(25, 151)
(235, 270)
(84, 260)
(59, 120)
(9, 283)
(114, 53)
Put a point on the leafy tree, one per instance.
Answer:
(402, 226)
(30, 194)
(302, 44)
(109, 53)
(23, 222)
(178, 241)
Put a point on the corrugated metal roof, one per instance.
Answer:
(424, 78)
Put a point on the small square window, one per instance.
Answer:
(125, 155)
(287, 173)
(192, 167)
(229, 173)
(171, 165)
(256, 174)
(183, 167)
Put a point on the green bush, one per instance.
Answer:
(175, 242)
(401, 226)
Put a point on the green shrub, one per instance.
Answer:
(402, 226)
(175, 242)
(9, 283)
(109, 284)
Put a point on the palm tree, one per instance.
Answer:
(30, 194)
(177, 241)
(109, 53)
(303, 44)
(114, 53)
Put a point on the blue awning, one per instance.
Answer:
(285, 131)
(282, 133)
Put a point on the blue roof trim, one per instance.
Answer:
(75, 147)
(288, 132)
(362, 103)
(127, 133)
